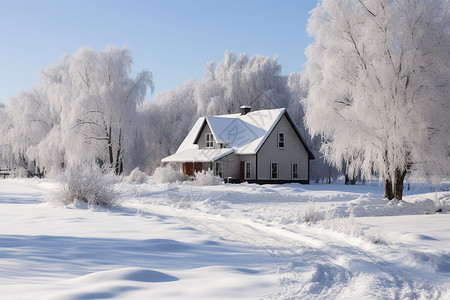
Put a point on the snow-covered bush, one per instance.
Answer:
(346, 225)
(207, 178)
(88, 183)
(349, 226)
(136, 176)
(311, 214)
(168, 174)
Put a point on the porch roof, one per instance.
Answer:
(198, 155)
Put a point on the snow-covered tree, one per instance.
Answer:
(5, 149)
(29, 121)
(83, 109)
(104, 111)
(378, 76)
(166, 122)
(256, 81)
(320, 170)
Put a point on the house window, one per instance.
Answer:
(281, 140)
(209, 140)
(247, 170)
(294, 170)
(273, 170)
(218, 169)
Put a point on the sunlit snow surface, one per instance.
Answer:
(182, 241)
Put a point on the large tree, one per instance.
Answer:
(166, 121)
(378, 76)
(104, 114)
(241, 80)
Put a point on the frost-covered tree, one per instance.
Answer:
(320, 170)
(84, 109)
(29, 121)
(5, 149)
(166, 122)
(378, 75)
(256, 81)
(104, 112)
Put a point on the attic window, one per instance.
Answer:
(281, 140)
(209, 140)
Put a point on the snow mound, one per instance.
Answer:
(109, 284)
(130, 274)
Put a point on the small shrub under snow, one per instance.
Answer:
(310, 214)
(207, 178)
(88, 183)
(346, 225)
(137, 176)
(168, 174)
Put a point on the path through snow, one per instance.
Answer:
(320, 264)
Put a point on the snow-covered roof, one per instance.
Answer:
(241, 134)
(198, 155)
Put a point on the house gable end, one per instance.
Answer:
(296, 130)
(294, 151)
(201, 136)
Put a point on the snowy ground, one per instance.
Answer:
(182, 241)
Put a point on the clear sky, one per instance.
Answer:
(171, 38)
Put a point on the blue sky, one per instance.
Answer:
(171, 38)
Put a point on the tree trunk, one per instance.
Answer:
(349, 181)
(398, 183)
(119, 166)
(388, 192)
(110, 149)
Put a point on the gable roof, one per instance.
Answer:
(244, 134)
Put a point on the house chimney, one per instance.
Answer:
(245, 109)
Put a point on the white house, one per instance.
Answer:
(263, 146)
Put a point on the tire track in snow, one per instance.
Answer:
(311, 265)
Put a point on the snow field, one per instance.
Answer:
(245, 241)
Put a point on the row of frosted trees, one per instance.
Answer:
(83, 109)
(88, 108)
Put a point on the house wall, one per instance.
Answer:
(231, 166)
(294, 151)
(202, 138)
